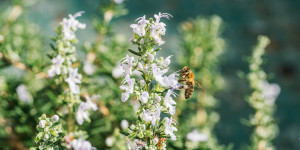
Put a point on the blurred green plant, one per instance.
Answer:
(202, 46)
(24, 84)
(101, 63)
(262, 100)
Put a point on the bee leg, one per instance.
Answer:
(181, 80)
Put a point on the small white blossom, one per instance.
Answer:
(124, 124)
(80, 144)
(195, 136)
(56, 66)
(167, 61)
(155, 140)
(117, 72)
(73, 80)
(140, 66)
(83, 110)
(151, 57)
(127, 65)
(157, 98)
(81, 114)
(158, 73)
(169, 102)
(169, 128)
(144, 97)
(89, 68)
(23, 94)
(270, 92)
(55, 118)
(128, 88)
(139, 28)
(109, 141)
(69, 26)
(42, 123)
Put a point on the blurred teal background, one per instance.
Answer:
(244, 21)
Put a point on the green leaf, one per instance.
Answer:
(134, 52)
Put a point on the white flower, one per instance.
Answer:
(89, 105)
(127, 65)
(89, 68)
(155, 140)
(109, 141)
(169, 102)
(42, 123)
(117, 72)
(80, 144)
(140, 66)
(73, 80)
(151, 57)
(139, 28)
(158, 73)
(158, 28)
(23, 94)
(170, 81)
(69, 26)
(157, 98)
(83, 110)
(156, 32)
(146, 115)
(118, 1)
(128, 88)
(167, 61)
(56, 66)
(124, 97)
(144, 97)
(195, 136)
(124, 124)
(169, 128)
(82, 114)
(55, 118)
(136, 144)
(270, 92)
(161, 15)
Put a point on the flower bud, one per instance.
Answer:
(55, 118)
(157, 98)
(124, 124)
(150, 57)
(42, 123)
(109, 141)
(142, 82)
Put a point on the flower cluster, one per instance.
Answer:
(65, 56)
(152, 87)
(149, 30)
(50, 132)
(69, 79)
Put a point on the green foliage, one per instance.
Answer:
(202, 46)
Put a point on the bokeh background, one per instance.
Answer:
(244, 21)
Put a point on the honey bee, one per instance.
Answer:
(189, 81)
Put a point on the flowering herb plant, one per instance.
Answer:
(145, 78)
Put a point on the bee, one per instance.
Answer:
(189, 81)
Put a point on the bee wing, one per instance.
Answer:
(198, 85)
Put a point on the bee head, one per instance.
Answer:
(185, 69)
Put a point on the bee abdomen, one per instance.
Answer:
(189, 91)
